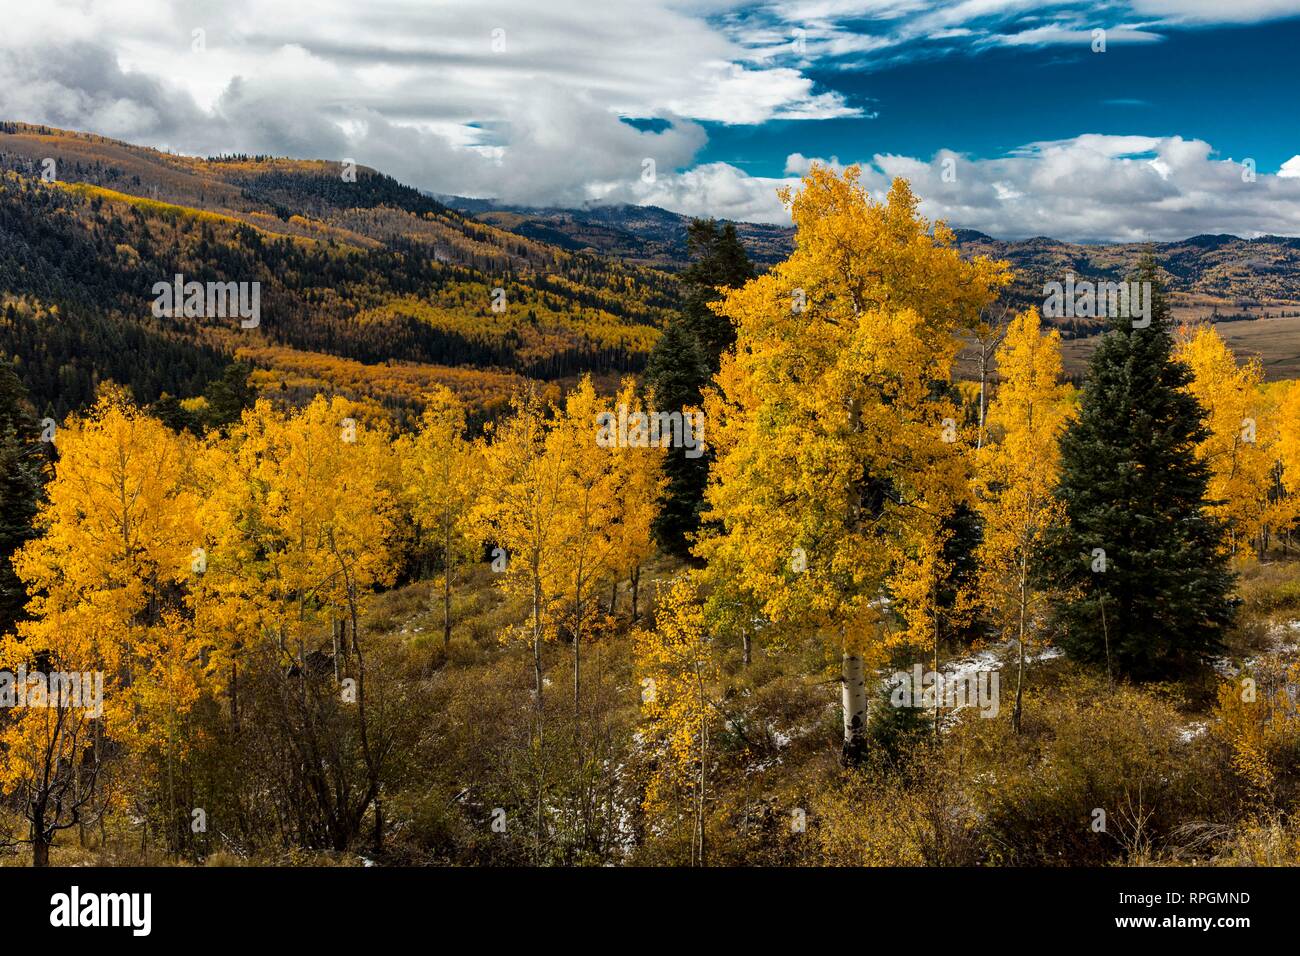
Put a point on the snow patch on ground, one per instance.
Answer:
(995, 657)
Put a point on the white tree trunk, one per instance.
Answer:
(854, 691)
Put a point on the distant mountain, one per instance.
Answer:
(367, 286)
(643, 235)
(1237, 275)
(1220, 276)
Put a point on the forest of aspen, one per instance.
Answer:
(374, 585)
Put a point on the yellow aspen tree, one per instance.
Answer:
(639, 483)
(522, 512)
(835, 449)
(116, 532)
(920, 572)
(1286, 432)
(233, 590)
(441, 471)
(326, 517)
(988, 335)
(585, 529)
(1238, 448)
(678, 674)
(301, 541)
(1015, 477)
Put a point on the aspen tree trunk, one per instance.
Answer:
(988, 342)
(853, 687)
(537, 703)
(984, 374)
(103, 832)
(577, 673)
(334, 644)
(234, 688)
(938, 678)
(578, 610)
(747, 647)
(1105, 633)
(854, 698)
(636, 590)
(173, 823)
(537, 634)
(446, 588)
(701, 788)
(613, 597)
(76, 801)
(1020, 671)
(704, 758)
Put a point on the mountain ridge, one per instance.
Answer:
(359, 274)
(1215, 275)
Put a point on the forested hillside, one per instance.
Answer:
(353, 268)
(1221, 277)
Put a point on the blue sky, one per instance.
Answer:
(1000, 112)
(1232, 86)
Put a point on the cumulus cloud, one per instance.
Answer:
(1290, 169)
(1089, 188)
(507, 98)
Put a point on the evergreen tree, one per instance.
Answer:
(1144, 581)
(683, 362)
(719, 262)
(676, 371)
(229, 395)
(21, 469)
(171, 413)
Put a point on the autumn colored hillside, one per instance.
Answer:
(367, 286)
(1221, 278)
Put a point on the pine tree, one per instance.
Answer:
(676, 371)
(21, 467)
(720, 262)
(683, 363)
(1145, 587)
(229, 395)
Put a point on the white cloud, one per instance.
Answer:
(735, 95)
(872, 34)
(1089, 188)
(1290, 169)
(509, 98)
(1054, 34)
(1217, 11)
(713, 189)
